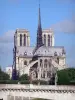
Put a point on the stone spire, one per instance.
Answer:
(39, 31)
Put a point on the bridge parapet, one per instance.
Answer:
(40, 87)
(37, 91)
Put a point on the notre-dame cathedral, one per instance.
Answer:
(42, 61)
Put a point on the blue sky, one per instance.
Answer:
(56, 14)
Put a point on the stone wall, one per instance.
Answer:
(32, 91)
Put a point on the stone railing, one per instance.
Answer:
(40, 87)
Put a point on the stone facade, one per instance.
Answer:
(42, 61)
(49, 57)
(9, 71)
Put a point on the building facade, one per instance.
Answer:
(42, 61)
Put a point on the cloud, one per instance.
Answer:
(66, 26)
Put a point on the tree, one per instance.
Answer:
(3, 75)
(24, 77)
(66, 76)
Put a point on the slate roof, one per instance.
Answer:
(25, 51)
(42, 51)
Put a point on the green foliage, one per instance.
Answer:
(12, 82)
(24, 77)
(3, 75)
(25, 82)
(8, 81)
(66, 76)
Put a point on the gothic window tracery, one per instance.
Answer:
(20, 39)
(44, 39)
(48, 40)
(24, 39)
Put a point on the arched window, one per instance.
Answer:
(45, 63)
(45, 40)
(25, 62)
(48, 40)
(24, 39)
(40, 62)
(20, 39)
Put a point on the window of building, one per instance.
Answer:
(25, 53)
(20, 39)
(49, 64)
(45, 40)
(40, 62)
(45, 63)
(48, 74)
(48, 40)
(25, 62)
(44, 74)
(58, 60)
(24, 39)
(55, 54)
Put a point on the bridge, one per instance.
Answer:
(28, 92)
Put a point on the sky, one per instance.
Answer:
(56, 14)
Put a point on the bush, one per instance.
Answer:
(8, 81)
(25, 82)
(24, 77)
(35, 82)
(66, 77)
(3, 75)
(12, 81)
(3, 82)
